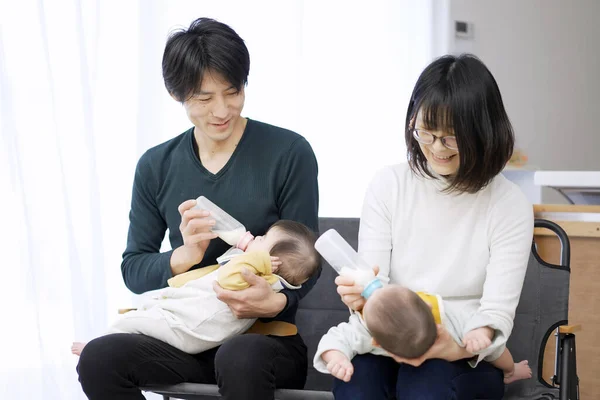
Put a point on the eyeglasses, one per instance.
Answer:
(425, 137)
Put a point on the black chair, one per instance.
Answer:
(542, 310)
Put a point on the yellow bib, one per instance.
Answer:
(432, 300)
(230, 277)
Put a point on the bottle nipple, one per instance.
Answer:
(246, 238)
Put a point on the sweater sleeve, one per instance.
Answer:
(298, 201)
(144, 268)
(375, 233)
(510, 230)
(351, 338)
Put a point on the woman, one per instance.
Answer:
(448, 223)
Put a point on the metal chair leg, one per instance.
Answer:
(569, 381)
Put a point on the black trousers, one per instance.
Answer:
(379, 377)
(248, 366)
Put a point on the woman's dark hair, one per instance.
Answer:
(459, 95)
(206, 46)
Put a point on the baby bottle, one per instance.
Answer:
(226, 227)
(342, 257)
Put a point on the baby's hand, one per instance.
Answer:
(478, 339)
(338, 365)
(275, 264)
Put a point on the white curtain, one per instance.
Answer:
(81, 98)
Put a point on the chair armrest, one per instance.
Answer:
(569, 328)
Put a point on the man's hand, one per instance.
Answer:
(350, 292)
(478, 339)
(259, 300)
(338, 365)
(196, 231)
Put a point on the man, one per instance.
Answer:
(259, 174)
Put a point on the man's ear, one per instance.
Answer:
(175, 98)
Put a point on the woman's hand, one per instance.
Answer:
(259, 300)
(350, 292)
(196, 231)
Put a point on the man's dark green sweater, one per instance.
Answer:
(271, 175)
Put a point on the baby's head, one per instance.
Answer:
(400, 322)
(294, 244)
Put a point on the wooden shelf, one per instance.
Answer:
(576, 220)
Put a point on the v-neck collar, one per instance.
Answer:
(196, 156)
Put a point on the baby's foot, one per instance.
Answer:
(522, 371)
(77, 348)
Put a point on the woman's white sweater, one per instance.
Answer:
(468, 248)
(472, 249)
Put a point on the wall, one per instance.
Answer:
(545, 56)
(339, 73)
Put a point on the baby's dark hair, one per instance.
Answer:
(400, 321)
(299, 259)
